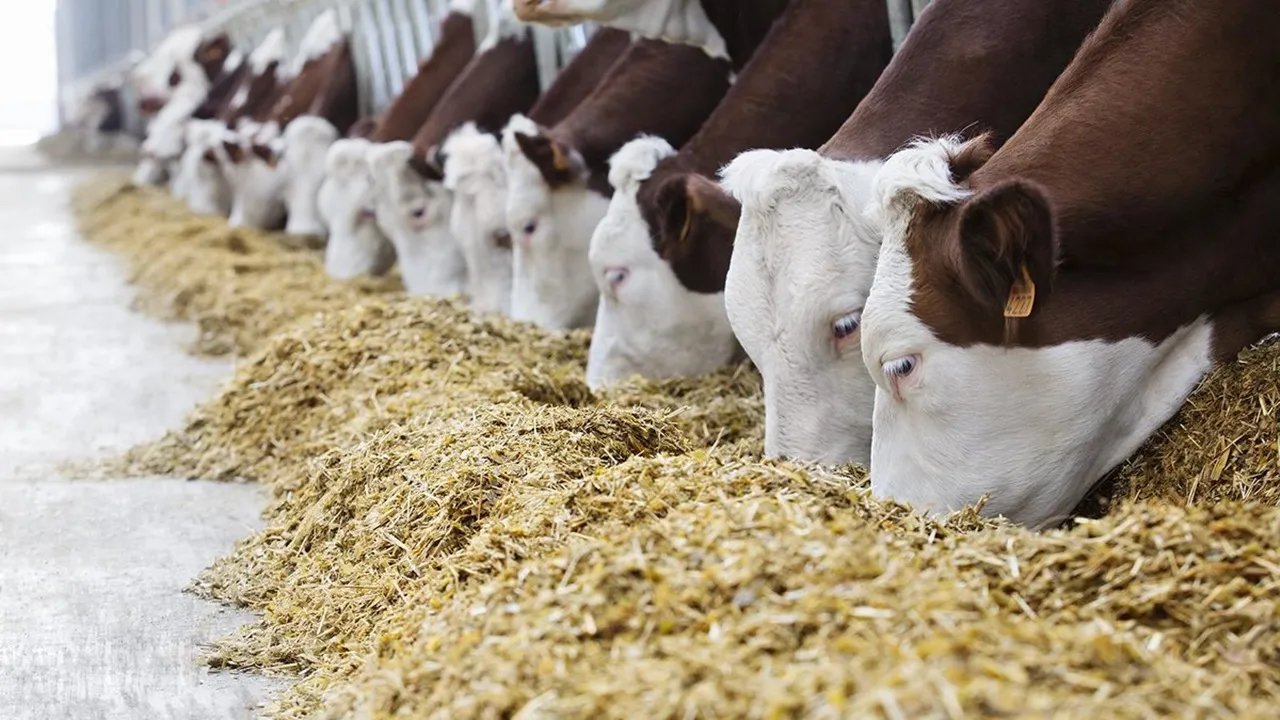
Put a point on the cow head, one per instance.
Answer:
(412, 208)
(802, 264)
(356, 245)
(202, 182)
(475, 172)
(551, 215)
(184, 59)
(648, 323)
(166, 137)
(306, 147)
(972, 400)
(252, 165)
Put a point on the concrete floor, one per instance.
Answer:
(93, 620)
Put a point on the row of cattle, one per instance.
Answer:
(990, 265)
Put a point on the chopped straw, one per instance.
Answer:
(461, 529)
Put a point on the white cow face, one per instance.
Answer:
(475, 172)
(172, 65)
(413, 212)
(648, 323)
(356, 245)
(306, 146)
(1030, 428)
(257, 182)
(803, 261)
(201, 180)
(166, 137)
(551, 230)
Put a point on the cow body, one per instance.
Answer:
(672, 215)
(1036, 316)
(979, 66)
(559, 176)
(730, 29)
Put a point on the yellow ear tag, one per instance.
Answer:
(1022, 296)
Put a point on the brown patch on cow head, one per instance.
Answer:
(235, 153)
(971, 156)
(265, 154)
(430, 167)
(210, 157)
(557, 162)
(694, 223)
(212, 54)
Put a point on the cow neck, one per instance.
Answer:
(496, 84)
(1157, 150)
(580, 77)
(223, 92)
(967, 66)
(338, 101)
(436, 74)
(657, 88)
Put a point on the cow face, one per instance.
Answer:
(257, 180)
(413, 212)
(166, 137)
(802, 265)
(356, 245)
(306, 146)
(963, 409)
(551, 215)
(475, 172)
(184, 59)
(202, 182)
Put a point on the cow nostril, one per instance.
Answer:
(502, 239)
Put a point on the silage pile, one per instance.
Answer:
(461, 529)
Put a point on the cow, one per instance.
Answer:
(323, 87)
(977, 65)
(666, 202)
(172, 84)
(558, 177)
(249, 94)
(730, 29)
(475, 173)
(412, 206)
(1038, 312)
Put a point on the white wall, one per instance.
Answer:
(28, 70)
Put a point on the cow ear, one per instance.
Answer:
(427, 167)
(235, 153)
(209, 157)
(557, 162)
(696, 222)
(214, 52)
(1007, 248)
(264, 153)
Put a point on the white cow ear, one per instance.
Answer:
(1006, 237)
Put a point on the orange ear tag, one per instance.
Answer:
(1022, 296)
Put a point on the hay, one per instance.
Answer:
(460, 528)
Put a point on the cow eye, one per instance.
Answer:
(530, 227)
(419, 213)
(846, 325)
(615, 276)
(175, 78)
(901, 367)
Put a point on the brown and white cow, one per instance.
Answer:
(172, 84)
(722, 28)
(475, 171)
(411, 204)
(1036, 315)
(803, 256)
(558, 177)
(666, 207)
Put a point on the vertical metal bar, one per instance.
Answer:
(899, 20)
(408, 44)
(423, 28)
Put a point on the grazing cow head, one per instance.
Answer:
(551, 214)
(968, 403)
(202, 182)
(648, 323)
(184, 59)
(257, 183)
(412, 208)
(306, 147)
(356, 246)
(475, 171)
(802, 264)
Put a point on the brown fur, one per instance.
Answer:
(656, 88)
(967, 65)
(212, 55)
(1155, 159)
(581, 76)
(223, 91)
(776, 102)
(406, 114)
(324, 85)
(496, 84)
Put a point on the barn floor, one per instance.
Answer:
(93, 620)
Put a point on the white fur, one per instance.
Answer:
(804, 257)
(504, 26)
(464, 7)
(648, 324)
(273, 48)
(166, 136)
(675, 21)
(414, 215)
(921, 171)
(634, 162)
(175, 53)
(322, 35)
(257, 188)
(306, 146)
(552, 284)
(203, 185)
(1031, 429)
(356, 245)
(475, 171)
